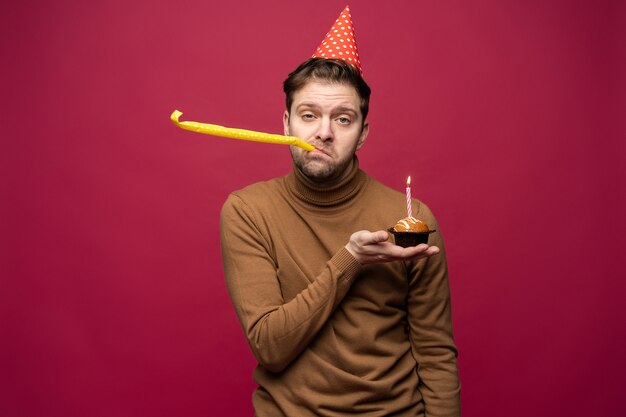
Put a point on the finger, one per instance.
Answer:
(380, 236)
(394, 252)
(433, 250)
(427, 253)
(414, 252)
(365, 237)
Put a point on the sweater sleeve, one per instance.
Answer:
(277, 330)
(430, 324)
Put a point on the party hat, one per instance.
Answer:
(340, 42)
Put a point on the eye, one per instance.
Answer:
(308, 116)
(344, 120)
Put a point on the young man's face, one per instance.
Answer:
(328, 116)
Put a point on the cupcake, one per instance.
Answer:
(410, 232)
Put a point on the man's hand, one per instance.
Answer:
(374, 248)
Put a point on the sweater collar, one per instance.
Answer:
(321, 195)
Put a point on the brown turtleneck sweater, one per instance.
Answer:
(332, 337)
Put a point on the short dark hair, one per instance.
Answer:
(331, 70)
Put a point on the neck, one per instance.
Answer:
(327, 193)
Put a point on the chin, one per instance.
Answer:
(317, 171)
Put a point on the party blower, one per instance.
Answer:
(227, 132)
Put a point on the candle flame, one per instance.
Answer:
(408, 181)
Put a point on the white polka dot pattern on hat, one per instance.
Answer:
(340, 42)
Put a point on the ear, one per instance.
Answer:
(286, 123)
(364, 131)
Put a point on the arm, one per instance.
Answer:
(430, 325)
(277, 330)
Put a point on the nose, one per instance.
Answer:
(324, 131)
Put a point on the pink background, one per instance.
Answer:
(509, 116)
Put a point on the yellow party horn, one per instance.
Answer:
(227, 132)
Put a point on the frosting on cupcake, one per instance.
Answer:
(411, 224)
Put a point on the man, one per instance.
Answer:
(341, 320)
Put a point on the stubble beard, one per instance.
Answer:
(319, 169)
(315, 168)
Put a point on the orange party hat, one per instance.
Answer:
(340, 42)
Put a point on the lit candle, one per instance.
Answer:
(228, 132)
(408, 197)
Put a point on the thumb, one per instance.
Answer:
(379, 236)
(365, 237)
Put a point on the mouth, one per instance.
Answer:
(319, 151)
